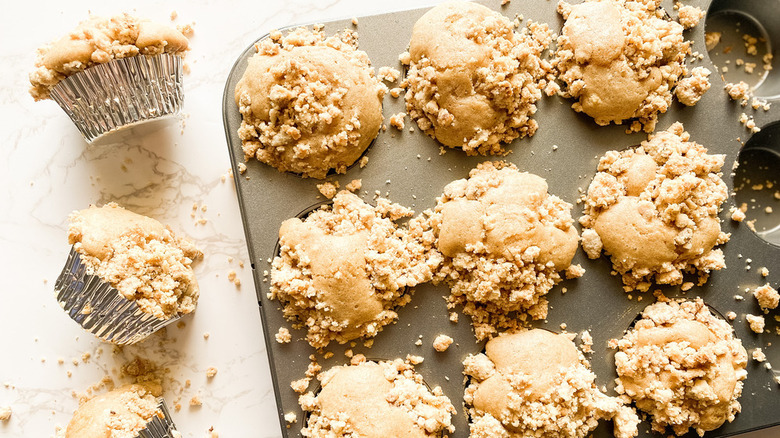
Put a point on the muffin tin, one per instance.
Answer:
(407, 168)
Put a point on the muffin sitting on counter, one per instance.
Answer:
(125, 412)
(127, 275)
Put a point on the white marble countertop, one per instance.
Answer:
(48, 171)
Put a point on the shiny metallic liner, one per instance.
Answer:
(160, 426)
(127, 91)
(99, 308)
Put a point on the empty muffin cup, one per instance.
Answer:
(122, 95)
(99, 308)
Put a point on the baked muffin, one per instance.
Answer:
(112, 72)
(620, 60)
(376, 400)
(309, 104)
(126, 412)
(472, 81)
(343, 270)
(654, 210)
(504, 240)
(536, 383)
(683, 366)
(127, 275)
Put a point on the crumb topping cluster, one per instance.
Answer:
(683, 366)
(654, 210)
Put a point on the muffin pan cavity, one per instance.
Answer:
(406, 167)
(757, 183)
(736, 22)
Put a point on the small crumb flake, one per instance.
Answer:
(758, 355)
(354, 185)
(442, 343)
(363, 162)
(587, 342)
(764, 272)
(283, 336)
(731, 316)
(689, 16)
(195, 401)
(5, 413)
(388, 74)
(574, 271)
(453, 317)
(739, 91)
(397, 121)
(737, 215)
(767, 297)
(756, 323)
(290, 417)
(712, 39)
(241, 168)
(414, 360)
(211, 372)
(328, 189)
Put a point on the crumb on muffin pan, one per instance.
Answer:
(412, 169)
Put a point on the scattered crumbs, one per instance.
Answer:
(397, 121)
(211, 372)
(283, 336)
(756, 323)
(363, 161)
(505, 2)
(174, 15)
(758, 355)
(290, 417)
(396, 92)
(418, 342)
(442, 343)
(764, 272)
(453, 317)
(563, 326)
(354, 23)
(195, 401)
(388, 74)
(328, 189)
(749, 122)
(241, 168)
(739, 297)
(206, 335)
(5, 413)
(688, 285)
(768, 210)
(354, 185)
(587, 342)
(328, 355)
(731, 316)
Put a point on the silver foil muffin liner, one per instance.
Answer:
(99, 308)
(160, 426)
(122, 94)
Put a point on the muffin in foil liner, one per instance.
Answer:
(123, 94)
(160, 426)
(99, 308)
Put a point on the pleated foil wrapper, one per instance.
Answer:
(113, 97)
(160, 426)
(99, 307)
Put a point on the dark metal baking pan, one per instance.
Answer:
(407, 168)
